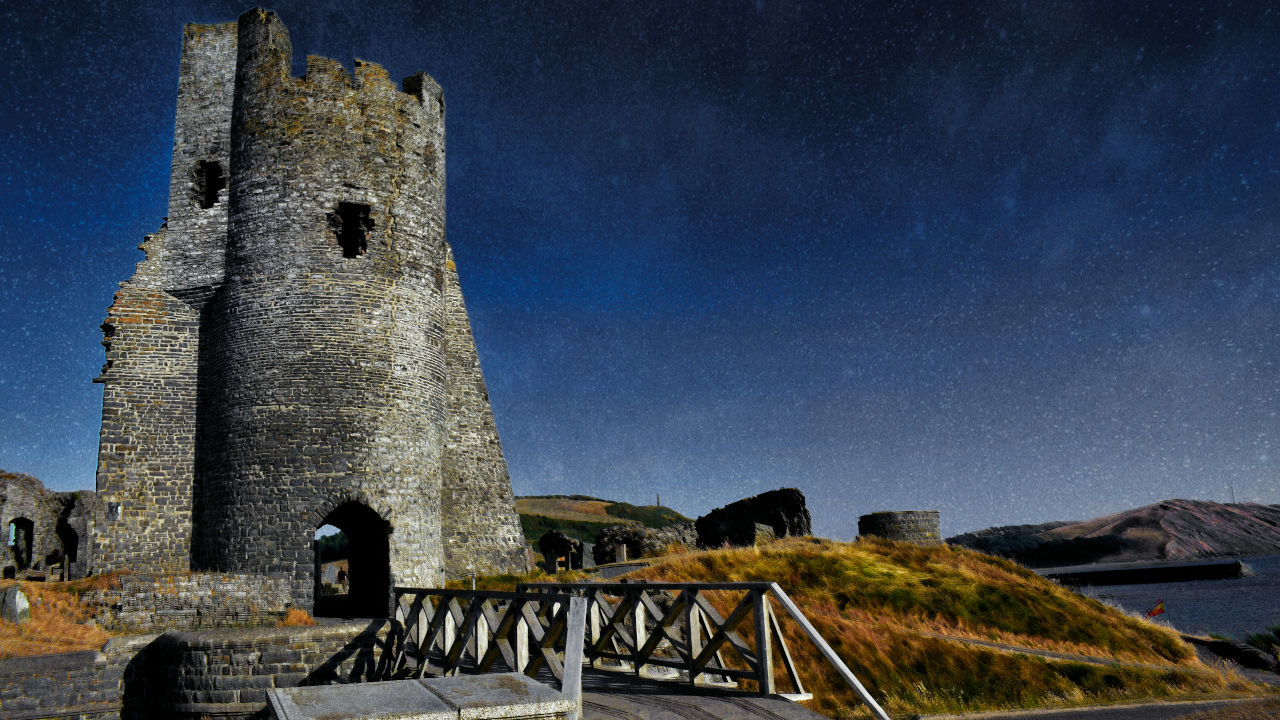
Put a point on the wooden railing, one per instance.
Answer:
(440, 632)
(669, 631)
(645, 628)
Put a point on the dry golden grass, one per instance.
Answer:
(57, 622)
(297, 618)
(565, 509)
(880, 603)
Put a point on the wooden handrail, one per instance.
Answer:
(705, 633)
(449, 627)
(816, 638)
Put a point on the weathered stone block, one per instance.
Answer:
(14, 607)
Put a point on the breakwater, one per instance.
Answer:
(1232, 607)
(1146, 573)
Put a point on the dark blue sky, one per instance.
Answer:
(1016, 262)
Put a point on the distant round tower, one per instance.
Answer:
(914, 526)
(323, 396)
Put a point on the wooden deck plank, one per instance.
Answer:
(619, 696)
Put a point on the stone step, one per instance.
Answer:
(505, 696)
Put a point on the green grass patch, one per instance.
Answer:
(583, 517)
(881, 605)
(535, 526)
(654, 516)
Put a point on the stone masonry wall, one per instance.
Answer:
(146, 456)
(188, 675)
(228, 673)
(145, 603)
(147, 442)
(61, 526)
(284, 356)
(480, 525)
(191, 265)
(915, 526)
(70, 685)
(23, 497)
(325, 360)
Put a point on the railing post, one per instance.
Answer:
(571, 678)
(637, 614)
(764, 644)
(448, 634)
(481, 636)
(422, 623)
(693, 621)
(597, 623)
(522, 643)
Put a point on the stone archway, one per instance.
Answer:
(21, 531)
(366, 590)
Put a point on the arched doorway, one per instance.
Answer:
(361, 582)
(70, 541)
(20, 532)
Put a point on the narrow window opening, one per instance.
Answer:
(209, 182)
(351, 224)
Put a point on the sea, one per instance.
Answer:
(1232, 608)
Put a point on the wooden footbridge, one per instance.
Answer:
(621, 651)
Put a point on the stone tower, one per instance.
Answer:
(295, 351)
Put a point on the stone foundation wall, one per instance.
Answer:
(70, 685)
(223, 674)
(228, 673)
(142, 603)
(916, 526)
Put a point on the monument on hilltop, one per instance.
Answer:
(294, 351)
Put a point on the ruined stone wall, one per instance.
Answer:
(61, 527)
(480, 525)
(22, 497)
(190, 264)
(325, 357)
(188, 601)
(147, 444)
(782, 510)
(223, 674)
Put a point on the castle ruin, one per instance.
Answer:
(294, 351)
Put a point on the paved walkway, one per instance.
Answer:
(607, 706)
(616, 696)
(1157, 711)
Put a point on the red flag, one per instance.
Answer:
(1157, 610)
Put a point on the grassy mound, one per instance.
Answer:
(900, 615)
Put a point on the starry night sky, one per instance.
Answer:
(1015, 262)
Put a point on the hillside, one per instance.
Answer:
(582, 516)
(1168, 530)
(943, 629)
